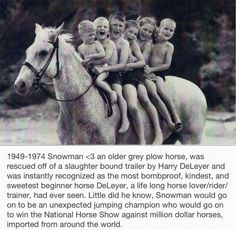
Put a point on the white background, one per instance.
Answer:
(217, 154)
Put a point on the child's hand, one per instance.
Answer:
(87, 59)
(147, 69)
(97, 70)
(132, 59)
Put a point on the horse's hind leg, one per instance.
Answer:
(193, 130)
(190, 139)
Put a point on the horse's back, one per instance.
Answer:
(191, 105)
(184, 91)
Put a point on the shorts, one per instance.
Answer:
(133, 77)
(153, 76)
(114, 78)
(162, 74)
(89, 69)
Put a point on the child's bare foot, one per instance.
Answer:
(97, 70)
(171, 126)
(113, 97)
(142, 142)
(124, 126)
(158, 139)
(178, 127)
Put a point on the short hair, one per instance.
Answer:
(167, 20)
(100, 19)
(146, 20)
(119, 16)
(132, 23)
(86, 26)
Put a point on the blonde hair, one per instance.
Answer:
(86, 26)
(163, 21)
(146, 20)
(98, 19)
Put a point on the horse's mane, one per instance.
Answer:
(68, 46)
(66, 39)
(67, 49)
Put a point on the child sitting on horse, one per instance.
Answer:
(160, 61)
(117, 24)
(134, 78)
(147, 27)
(90, 50)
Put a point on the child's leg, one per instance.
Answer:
(152, 113)
(104, 86)
(123, 108)
(160, 106)
(130, 95)
(169, 103)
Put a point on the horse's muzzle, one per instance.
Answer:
(21, 87)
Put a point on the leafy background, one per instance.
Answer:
(204, 40)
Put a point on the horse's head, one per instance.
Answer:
(41, 59)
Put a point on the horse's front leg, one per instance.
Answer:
(92, 133)
(64, 131)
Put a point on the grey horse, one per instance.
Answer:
(84, 120)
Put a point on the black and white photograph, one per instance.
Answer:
(111, 72)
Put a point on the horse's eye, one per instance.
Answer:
(43, 53)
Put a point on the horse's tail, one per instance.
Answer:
(192, 106)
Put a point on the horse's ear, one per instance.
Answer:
(58, 31)
(38, 28)
(55, 33)
(59, 28)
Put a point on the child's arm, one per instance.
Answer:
(109, 51)
(166, 64)
(100, 53)
(124, 57)
(80, 52)
(140, 63)
(124, 54)
(147, 51)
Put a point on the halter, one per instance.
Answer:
(39, 74)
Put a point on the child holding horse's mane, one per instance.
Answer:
(160, 61)
(92, 50)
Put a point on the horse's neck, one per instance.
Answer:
(73, 81)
